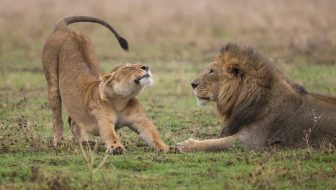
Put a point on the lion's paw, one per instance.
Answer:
(58, 141)
(115, 149)
(164, 149)
(187, 146)
(174, 150)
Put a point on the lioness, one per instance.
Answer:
(97, 103)
(259, 105)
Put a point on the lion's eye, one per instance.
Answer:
(211, 71)
(128, 68)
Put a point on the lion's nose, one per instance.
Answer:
(145, 67)
(194, 85)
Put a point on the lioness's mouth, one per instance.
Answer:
(203, 98)
(137, 81)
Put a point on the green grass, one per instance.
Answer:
(28, 160)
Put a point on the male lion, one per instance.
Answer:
(259, 106)
(97, 103)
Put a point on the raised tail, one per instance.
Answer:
(73, 19)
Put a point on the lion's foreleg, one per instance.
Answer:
(220, 144)
(109, 136)
(150, 135)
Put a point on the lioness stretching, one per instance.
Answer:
(97, 104)
(259, 106)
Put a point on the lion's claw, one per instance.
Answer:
(174, 149)
(116, 149)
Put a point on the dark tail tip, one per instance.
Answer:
(123, 43)
(69, 121)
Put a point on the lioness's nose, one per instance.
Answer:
(194, 85)
(145, 67)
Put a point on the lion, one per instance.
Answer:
(260, 107)
(97, 104)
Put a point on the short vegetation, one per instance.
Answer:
(176, 40)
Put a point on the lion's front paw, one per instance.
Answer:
(187, 146)
(174, 150)
(164, 149)
(115, 149)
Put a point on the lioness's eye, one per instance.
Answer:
(211, 71)
(128, 68)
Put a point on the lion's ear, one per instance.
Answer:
(104, 76)
(235, 70)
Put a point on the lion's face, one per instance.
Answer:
(237, 79)
(222, 80)
(206, 84)
(127, 80)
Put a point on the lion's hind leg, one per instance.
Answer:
(79, 135)
(50, 67)
(56, 108)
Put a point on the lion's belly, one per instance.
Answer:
(312, 123)
(90, 126)
(73, 103)
(72, 87)
(85, 121)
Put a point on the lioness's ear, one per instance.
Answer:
(104, 76)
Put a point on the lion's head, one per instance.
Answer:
(238, 78)
(127, 80)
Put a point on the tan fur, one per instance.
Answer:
(97, 103)
(260, 106)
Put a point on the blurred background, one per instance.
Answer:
(291, 31)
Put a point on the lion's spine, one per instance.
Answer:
(64, 22)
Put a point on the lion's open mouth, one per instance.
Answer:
(137, 81)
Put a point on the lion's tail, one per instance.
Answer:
(73, 19)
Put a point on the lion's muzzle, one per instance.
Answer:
(146, 79)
